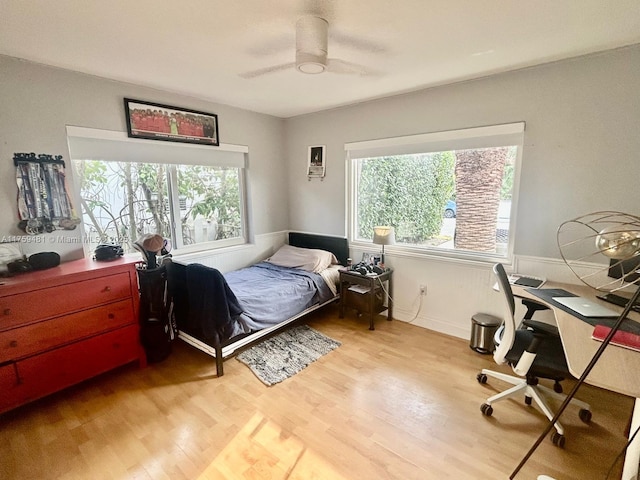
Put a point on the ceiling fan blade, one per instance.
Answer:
(267, 70)
(355, 43)
(272, 46)
(335, 65)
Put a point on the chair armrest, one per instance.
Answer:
(541, 327)
(539, 331)
(532, 307)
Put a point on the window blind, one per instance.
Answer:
(107, 145)
(478, 137)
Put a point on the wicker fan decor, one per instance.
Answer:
(587, 238)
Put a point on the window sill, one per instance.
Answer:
(439, 254)
(206, 249)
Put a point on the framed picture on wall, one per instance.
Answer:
(155, 121)
(316, 161)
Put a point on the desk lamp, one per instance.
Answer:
(615, 235)
(383, 235)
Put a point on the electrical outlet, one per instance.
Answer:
(423, 289)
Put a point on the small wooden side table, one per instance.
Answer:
(368, 294)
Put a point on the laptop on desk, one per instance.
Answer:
(585, 307)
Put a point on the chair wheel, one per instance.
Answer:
(528, 400)
(486, 409)
(557, 387)
(558, 440)
(482, 378)
(585, 415)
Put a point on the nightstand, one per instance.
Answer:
(368, 294)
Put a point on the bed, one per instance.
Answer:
(221, 314)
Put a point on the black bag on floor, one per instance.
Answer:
(156, 325)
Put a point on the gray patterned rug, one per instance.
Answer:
(285, 354)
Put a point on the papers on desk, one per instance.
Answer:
(620, 338)
(359, 288)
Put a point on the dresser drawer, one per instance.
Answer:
(68, 365)
(47, 334)
(70, 297)
(9, 393)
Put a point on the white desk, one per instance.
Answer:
(618, 369)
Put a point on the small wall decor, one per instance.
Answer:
(155, 121)
(316, 163)
(43, 202)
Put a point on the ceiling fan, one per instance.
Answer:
(311, 52)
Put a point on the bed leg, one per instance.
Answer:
(219, 359)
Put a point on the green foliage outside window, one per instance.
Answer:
(408, 192)
(506, 191)
(121, 201)
(212, 193)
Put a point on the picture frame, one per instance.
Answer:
(316, 161)
(155, 121)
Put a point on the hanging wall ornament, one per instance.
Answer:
(43, 202)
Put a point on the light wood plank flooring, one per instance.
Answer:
(400, 402)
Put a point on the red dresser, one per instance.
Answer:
(66, 324)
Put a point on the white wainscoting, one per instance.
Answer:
(456, 290)
(234, 258)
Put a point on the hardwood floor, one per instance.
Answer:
(400, 402)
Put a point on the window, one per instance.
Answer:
(449, 192)
(193, 196)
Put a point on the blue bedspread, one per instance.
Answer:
(269, 294)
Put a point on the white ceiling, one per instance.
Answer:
(200, 47)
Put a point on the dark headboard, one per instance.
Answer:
(339, 246)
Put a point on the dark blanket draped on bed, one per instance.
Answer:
(209, 294)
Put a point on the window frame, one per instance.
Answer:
(111, 146)
(467, 138)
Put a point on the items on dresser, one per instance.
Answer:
(105, 252)
(66, 324)
(44, 260)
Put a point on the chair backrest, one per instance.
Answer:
(509, 322)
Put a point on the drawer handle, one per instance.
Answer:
(13, 343)
(106, 289)
(111, 316)
(7, 311)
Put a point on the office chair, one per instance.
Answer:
(534, 351)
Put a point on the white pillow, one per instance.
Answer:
(331, 276)
(308, 259)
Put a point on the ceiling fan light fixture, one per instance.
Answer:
(312, 52)
(311, 68)
(311, 45)
(310, 63)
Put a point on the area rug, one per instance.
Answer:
(285, 354)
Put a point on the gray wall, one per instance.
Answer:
(38, 102)
(581, 153)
